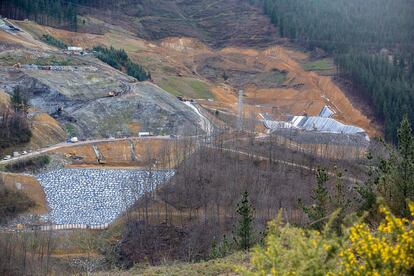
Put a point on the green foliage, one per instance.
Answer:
(318, 211)
(325, 64)
(244, 229)
(325, 203)
(186, 87)
(225, 76)
(70, 129)
(54, 41)
(32, 164)
(388, 86)
(222, 249)
(19, 101)
(339, 25)
(392, 178)
(60, 13)
(355, 32)
(386, 250)
(294, 251)
(119, 59)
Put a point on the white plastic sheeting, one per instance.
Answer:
(324, 125)
(277, 124)
(326, 112)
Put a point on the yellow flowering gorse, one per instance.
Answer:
(387, 251)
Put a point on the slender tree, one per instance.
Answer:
(244, 229)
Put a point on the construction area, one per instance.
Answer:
(195, 88)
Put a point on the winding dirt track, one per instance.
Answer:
(287, 163)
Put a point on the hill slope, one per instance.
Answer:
(91, 98)
(275, 79)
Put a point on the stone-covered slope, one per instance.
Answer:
(92, 99)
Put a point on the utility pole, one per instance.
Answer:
(240, 111)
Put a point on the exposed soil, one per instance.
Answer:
(273, 79)
(124, 153)
(30, 186)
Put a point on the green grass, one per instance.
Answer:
(70, 129)
(271, 77)
(325, 64)
(186, 87)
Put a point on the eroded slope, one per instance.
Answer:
(91, 99)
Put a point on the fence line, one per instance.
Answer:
(69, 227)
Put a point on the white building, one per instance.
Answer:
(75, 49)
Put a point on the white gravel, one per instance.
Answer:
(95, 196)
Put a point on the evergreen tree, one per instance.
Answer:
(370, 40)
(19, 102)
(406, 166)
(392, 178)
(318, 211)
(244, 231)
(119, 60)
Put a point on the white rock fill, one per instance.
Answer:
(95, 196)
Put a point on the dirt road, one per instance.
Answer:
(69, 144)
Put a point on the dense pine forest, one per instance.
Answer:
(119, 59)
(372, 42)
(57, 13)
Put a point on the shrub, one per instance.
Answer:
(54, 41)
(119, 59)
(32, 164)
(294, 251)
(387, 250)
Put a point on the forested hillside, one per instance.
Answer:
(57, 13)
(372, 42)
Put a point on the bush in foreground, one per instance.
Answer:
(386, 250)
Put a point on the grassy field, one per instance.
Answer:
(186, 87)
(320, 65)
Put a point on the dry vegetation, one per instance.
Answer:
(197, 207)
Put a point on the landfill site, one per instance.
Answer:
(90, 118)
(323, 130)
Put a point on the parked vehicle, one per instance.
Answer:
(7, 157)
